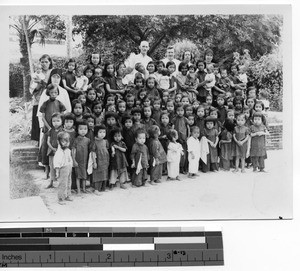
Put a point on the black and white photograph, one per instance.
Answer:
(149, 113)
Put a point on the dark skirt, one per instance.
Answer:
(35, 128)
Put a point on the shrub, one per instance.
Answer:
(15, 80)
(266, 73)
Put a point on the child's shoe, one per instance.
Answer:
(157, 181)
(152, 183)
(191, 176)
(96, 192)
(178, 179)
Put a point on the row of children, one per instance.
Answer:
(220, 141)
(196, 81)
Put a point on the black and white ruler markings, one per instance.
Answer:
(110, 246)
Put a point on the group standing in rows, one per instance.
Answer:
(122, 122)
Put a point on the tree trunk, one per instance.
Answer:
(26, 61)
(26, 68)
(68, 22)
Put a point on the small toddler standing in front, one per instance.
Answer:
(140, 158)
(62, 163)
(157, 155)
(193, 145)
(175, 151)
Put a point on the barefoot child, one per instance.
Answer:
(62, 163)
(139, 157)
(80, 154)
(157, 155)
(100, 156)
(175, 151)
(56, 121)
(258, 134)
(118, 164)
(193, 145)
(241, 137)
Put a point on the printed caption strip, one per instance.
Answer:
(110, 247)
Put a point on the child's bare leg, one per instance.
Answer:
(83, 186)
(78, 185)
(47, 171)
(237, 160)
(243, 165)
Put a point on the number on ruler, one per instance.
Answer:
(108, 256)
(168, 256)
(182, 252)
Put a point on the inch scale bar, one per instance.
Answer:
(78, 247)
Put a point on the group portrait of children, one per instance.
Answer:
(131, 123)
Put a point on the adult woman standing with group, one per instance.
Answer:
(47, 65)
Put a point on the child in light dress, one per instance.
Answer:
(82, 81)
(175, 151)
(37, 75)
(62, 163)
(193, 145)
(210, 78)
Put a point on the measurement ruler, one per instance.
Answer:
(110, 247)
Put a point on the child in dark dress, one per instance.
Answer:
(211, 133)
(258, 132)
(182, 127)
(100, 156)
(90, 118)
(91, 98)
(156, 112)
(240, 148)
(128, 138)
(52, 143)
(69, 78)
(118, 164)
(140, 158)
(158, 156)
(80, 154)
(225, 144)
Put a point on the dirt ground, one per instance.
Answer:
(210, 196)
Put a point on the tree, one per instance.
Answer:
(28, 28)
(223, 33)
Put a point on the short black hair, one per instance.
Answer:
(69, 116)
(81, 122)
(97, 128)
